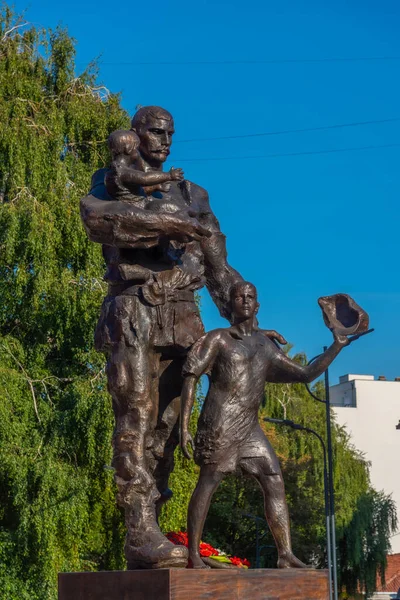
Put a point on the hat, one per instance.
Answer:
(342, 315)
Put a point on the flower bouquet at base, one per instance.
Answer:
(216, 559)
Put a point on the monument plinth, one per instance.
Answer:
(202, 584)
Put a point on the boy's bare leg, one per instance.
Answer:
(276, 510)
(199, 504)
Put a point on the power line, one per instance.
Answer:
(279, 155)
(285, 131)
(271, 61)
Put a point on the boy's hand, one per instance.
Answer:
(176, 174)
(186, 439)
(342, 340)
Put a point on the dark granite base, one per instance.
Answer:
(189, 584)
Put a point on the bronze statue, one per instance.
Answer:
(161, 242)
(239, 360)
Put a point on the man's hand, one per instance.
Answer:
(176, 174)
(274, 336)
(186, 440)
(181, 227)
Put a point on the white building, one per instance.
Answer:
(370, 410)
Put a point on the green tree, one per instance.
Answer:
(57, 495)
(57, 506)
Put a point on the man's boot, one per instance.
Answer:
(145, 546)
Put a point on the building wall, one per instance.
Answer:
(392, 579)
(370, 410)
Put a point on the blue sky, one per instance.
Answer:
(299, 227)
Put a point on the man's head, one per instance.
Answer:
(243, 296)
(122, 142)
(155, 128)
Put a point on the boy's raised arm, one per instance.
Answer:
(285, 370)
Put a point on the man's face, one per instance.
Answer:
(155, 140)
(244, 301)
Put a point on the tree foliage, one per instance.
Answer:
(57, 506)
(57, 496)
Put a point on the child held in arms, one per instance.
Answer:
(238, 361)
(124, 182)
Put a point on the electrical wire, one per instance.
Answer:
(286, 131)
(287, 154)
(271, 61)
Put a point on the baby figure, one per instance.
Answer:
(124, 182)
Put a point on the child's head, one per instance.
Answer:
(243, 297)
(124, 142)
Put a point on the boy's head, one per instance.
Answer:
(123, 142)
(243, 297)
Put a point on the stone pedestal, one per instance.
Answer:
(189, 584)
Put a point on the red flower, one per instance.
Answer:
(207, 550)
(239, 562)
(180, 538)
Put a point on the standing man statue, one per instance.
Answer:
(156, 260)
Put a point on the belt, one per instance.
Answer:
(171, 295)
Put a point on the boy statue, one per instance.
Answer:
(239, 360)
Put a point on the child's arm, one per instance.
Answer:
(130, 176)
(285, 370)
(187, 400)
(200, 359)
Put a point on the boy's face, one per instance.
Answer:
(244, 301)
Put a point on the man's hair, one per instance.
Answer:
(240, 284)
(122, 142)
(145, 113)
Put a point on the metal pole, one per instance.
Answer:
(330, 479)
(329, 553)
(256, 521)
(332, 526)
(299, 427)
(327, 514)
(257, 546)
(328, 525)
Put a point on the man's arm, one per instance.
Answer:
(127, 226)
(220, 276)
(285, 370)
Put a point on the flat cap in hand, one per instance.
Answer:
(342, 315)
